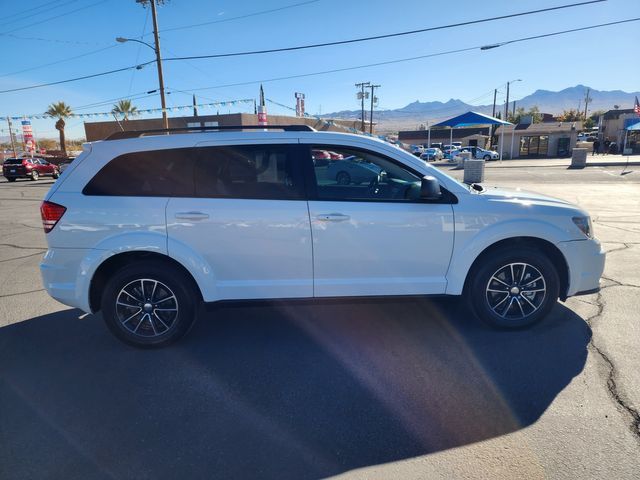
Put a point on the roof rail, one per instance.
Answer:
(159, 131)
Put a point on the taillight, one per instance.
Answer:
(51, 213)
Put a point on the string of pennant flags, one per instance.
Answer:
(225, 103)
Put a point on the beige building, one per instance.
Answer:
(101, 130)
(548, 139)
(613, 127)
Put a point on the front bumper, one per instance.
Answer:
(585, 259)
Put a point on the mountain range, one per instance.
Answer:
(547, 101)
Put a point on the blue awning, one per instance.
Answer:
(471, 119)
(634, 127)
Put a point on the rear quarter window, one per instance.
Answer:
(154, 173)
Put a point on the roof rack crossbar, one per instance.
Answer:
(140, 133)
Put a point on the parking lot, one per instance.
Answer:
(410, 388)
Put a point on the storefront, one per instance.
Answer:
(539, 140)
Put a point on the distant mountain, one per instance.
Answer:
(555, 102)
(416, 113)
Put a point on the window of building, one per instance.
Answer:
(534, 146)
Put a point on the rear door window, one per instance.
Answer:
(269, 172)
(154, 173)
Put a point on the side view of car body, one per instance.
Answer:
(479, 153)
(432, 154)
(32, 168)
(145, 229)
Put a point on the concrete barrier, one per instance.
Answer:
(579, 158)
(474, 171)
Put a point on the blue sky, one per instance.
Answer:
(31, 37)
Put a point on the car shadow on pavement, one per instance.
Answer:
(278, 391)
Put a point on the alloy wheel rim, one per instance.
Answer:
(516, 291)
(147, 308)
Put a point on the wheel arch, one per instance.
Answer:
(549, 249)
(115, 262)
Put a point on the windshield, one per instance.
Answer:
(13, 161)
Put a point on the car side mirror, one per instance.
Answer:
(430, 188)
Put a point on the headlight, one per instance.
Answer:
(584, 224)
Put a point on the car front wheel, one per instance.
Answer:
(149, 304)
(487, 157)
(513, 288)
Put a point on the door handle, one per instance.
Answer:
(192, 215)
(332, 217)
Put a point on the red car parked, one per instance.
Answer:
(32, 168)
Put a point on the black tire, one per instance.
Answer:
(56, 174)
(11, 179)
(491, 283)
(343, 178)
(34, 176)
(160, 324)
(487, 157)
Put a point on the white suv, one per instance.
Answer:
(145, 229)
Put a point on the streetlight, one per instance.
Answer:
(156, 49)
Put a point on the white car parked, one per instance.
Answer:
(479, 153)
(145, 229)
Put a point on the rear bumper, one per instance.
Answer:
(585, 259)
(67, 272)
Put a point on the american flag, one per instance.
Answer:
(636, 107)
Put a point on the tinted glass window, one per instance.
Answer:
(248, 171)
(13, 161)
(353, 174)
(157, 173)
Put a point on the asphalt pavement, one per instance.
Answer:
(368, 389)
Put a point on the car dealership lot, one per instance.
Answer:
(393, 388)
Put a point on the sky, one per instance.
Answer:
(45, 41)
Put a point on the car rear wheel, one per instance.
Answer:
(149, 304)
(11, 179)
(513, 288)
(343, 178)
(35, 175)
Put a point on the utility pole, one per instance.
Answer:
(373, 88)
(506, 105)
(361, 96)
(493, 114)
(13, 142)
(586, 104)
(514, 109)
(165, 120)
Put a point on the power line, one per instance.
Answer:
(53, 18)
(32, 9)
(389, 35)
(239, 17)
(58, 61)
(109, 72)
(388, 62)
(419, 57)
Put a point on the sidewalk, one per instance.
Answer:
(592, 161)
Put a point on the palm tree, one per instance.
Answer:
(125, 108)
(60, 111)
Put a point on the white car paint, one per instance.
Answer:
(248, 249)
